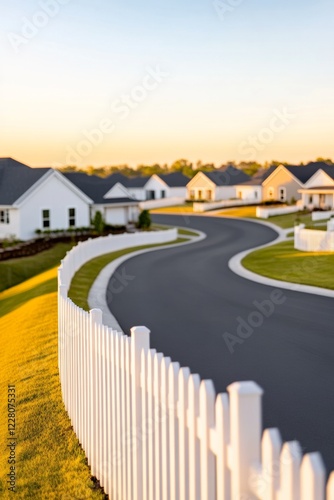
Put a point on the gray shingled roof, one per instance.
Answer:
(16, 178)
(260, 176)
(136, 182)
(227, 176)
(175, 179)
(96, 187)
(304, 173)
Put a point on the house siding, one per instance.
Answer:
(13, 228)
(55, 196)
(156, 185)
(281, 178)
(200, 183)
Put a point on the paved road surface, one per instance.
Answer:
(189, 299)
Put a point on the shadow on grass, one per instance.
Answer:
(13, 302)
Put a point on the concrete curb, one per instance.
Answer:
(235, 264)
(97, 297)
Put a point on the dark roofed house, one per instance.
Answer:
(251, 190)
(285, 181)
(216, 185)
(46, 199)
(110, 196)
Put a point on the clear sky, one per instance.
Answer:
(97, 82)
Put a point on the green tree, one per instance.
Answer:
(144, 221)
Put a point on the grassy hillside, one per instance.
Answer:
(50, 463)
(14, 271)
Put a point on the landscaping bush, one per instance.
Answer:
(144, 221)
(98, 222)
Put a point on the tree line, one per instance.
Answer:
(186, 167)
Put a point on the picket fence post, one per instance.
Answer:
(140, 341)
(246, 430)
(95, 320)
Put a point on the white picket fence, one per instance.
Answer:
(206, 206)
(316, 216)
(162, 202)
(151, 430)
(313, 240)
(265, 213)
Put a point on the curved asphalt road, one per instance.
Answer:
(189, 299)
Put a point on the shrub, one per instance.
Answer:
(98, 222)
(144, 221)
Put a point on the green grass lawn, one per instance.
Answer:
(15, 271)
(173, 210)
(49, 461)
(87, 274)
(283, 262)
(282, 221)
(182, 232)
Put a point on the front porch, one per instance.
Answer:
(322, 198)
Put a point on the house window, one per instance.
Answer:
(271, 192)
(310, 199)
(240, 195)
(45, 219)
(163, 194)
(209, 195)
(150, 195)
(282, 194)
(192, 194)
(71, 217)
(4, 216)
(255, 195)
(199, 194)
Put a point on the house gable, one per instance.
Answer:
(319, 179)
(43, 180)
(281, 175)
(155, 183)
(117, 191)
(201, 181)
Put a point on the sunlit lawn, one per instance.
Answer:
(173, 210)
(283, 262)
(283, 221)
(50, 463)
(14, 271)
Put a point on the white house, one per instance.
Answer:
(40, 198)
(217, 185)
(136, 187)
(156, 187)
(318, 191)
(252, 190)
(109, 196)
(46, 199)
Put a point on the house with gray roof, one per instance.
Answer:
(318, 190)
(251, 190)
(280, 183)
(46, 199)
(285, 182)
(217, 185)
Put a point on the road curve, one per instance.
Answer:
(194, 304)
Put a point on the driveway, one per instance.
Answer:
(204, 316)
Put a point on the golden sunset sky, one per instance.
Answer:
(111, 82)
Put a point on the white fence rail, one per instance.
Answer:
(161, 203)
(312, 240)
(151, 430)
(322, 215)
(206, 206)
(265, 213)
